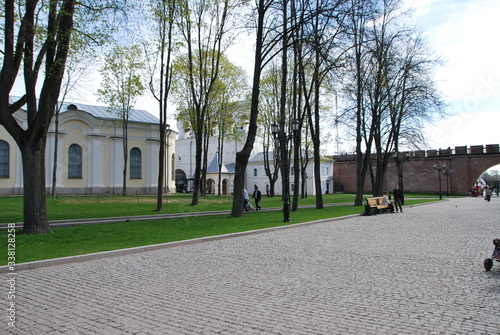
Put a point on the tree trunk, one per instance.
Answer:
(203, 183)
(161, 167)
(197, 170)
(35, 208)
(315, 134)
(243, 156)
(56, 147)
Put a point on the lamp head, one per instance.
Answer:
(274, 129)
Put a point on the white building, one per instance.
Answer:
(255, 173)
(90, 153)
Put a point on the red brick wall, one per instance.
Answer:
(419, 175)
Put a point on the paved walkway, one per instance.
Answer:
(419, 272)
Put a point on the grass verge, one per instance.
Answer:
(85, 207)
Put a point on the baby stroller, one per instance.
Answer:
(488, 262)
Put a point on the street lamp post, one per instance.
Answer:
(399, 167)
(447, 173)
(282, 139)
(440, 169)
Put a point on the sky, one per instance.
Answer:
(464, 34)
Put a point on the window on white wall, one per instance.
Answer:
(135, 163)
(75, 161)
(4, 159)
(255, 172)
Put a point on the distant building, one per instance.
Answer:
(255, 173)
(90, 153)
(185, 163)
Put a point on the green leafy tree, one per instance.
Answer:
(224, 108)
(229, 107)
(205, 28)
(121, 86)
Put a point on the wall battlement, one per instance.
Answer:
(466, 164)
(460, 150)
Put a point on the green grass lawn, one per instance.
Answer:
(84, 207)
(69, 241)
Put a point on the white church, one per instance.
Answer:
(255, 173)
(90, 157)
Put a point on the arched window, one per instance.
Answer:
(75, 161)
(4, 159)
(135, 163)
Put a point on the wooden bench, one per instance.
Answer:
(375, 205)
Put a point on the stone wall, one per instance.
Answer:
(419, 175)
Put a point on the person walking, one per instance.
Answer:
(487, 193)
(245, 200)
(257, 195)
(398, 198)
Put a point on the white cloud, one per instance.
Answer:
(463, 33)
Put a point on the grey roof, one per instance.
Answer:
(259, 157)
(102, 112)
(231, 167)
(214, 167)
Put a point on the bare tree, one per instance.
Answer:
(160, 77)
(120, 88)
(394, 93)
(319, 56)
(359, 14)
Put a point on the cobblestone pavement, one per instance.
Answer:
(419, 272)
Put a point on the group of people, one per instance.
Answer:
(257, 196)
(398, 200)
(397, 194)
(486, 191)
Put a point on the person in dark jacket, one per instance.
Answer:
(257, 195)
(398, 198)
